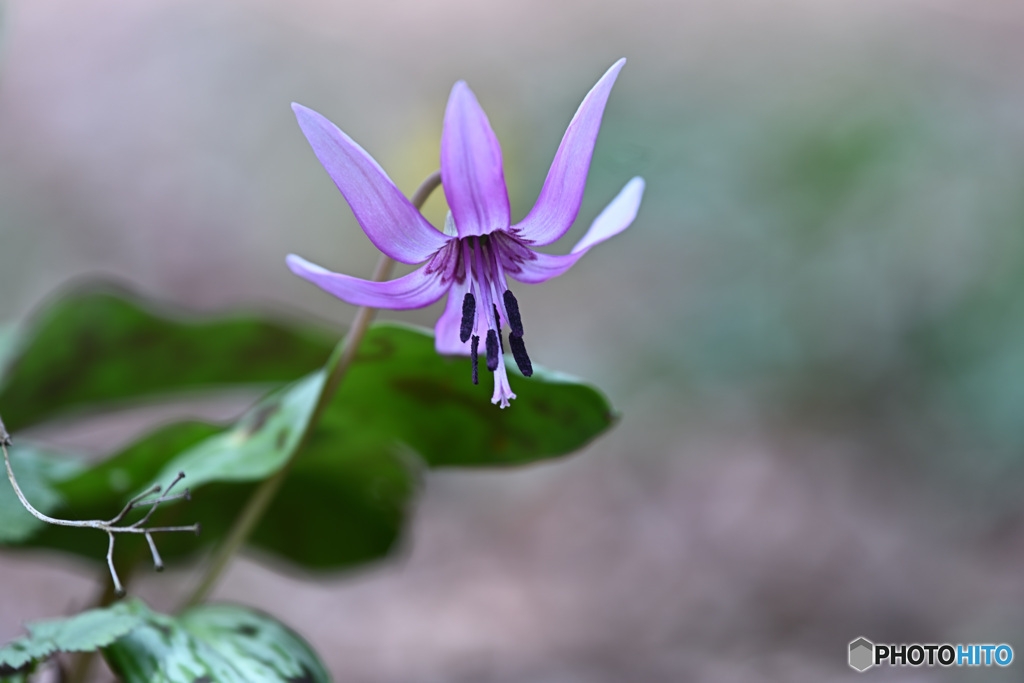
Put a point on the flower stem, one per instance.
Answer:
(337, 366)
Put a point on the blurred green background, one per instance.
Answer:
(814, 330)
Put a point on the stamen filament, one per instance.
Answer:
(467, 259)
(497, 279)
(497, 326)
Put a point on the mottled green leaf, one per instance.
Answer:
(222, 643)
(258, 444)
(363, 495)
(400, 389)
(83, 632)
(24, 651)
(354, 481)
(97, 346)
(400, 407)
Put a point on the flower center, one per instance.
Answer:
(479, 264)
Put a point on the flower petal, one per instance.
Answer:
(560, 198)
(386, 216)
(615, 218)
(415, 290)
(446, 331)
(471, 172)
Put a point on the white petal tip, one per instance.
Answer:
(308, 118)
(634, 190)
(463, 95)
(615, 68)
(616, 217)
(299, 265)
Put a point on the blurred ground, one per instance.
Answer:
(813, 330)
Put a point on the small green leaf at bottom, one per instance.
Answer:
(222, 643)
(83, 632)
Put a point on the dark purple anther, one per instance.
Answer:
(468, 311)
(519, 353)
(512, 308)
(492, 350)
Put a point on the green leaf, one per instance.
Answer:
(348, 494)
(225, 642)
(222, 643)
(83, 632)
(399, 389)
(99, 345)
(399, 405)
(341, 507)
(258, 444)
(8, 343)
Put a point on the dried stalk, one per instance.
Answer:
(110, 526)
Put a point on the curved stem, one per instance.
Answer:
(337, 366)
(28, 506)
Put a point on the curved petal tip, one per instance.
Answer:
(299, 265)
(616, 217)
(560, 197)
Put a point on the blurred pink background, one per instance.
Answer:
(830, 185)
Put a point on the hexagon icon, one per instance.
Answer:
(862, 654)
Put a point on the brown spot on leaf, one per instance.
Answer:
(261, 416)
(247, 630)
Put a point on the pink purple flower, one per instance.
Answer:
(472, 258)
